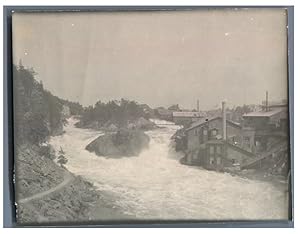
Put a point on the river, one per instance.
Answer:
(154, 185)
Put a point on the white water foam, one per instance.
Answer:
(154, 185)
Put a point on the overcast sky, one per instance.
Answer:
(158, 58)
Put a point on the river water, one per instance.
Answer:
(154, 185)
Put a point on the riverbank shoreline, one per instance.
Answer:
(277, 181)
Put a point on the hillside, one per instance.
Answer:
(45, 191)
(37, 113)
(40, 197)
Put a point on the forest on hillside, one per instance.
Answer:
(37, 113)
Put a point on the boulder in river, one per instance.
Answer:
(122, 143)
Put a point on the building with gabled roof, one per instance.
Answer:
(209, 119)
(215, 143)
(212, 128)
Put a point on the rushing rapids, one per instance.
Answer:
(155, 185)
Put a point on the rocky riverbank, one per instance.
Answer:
(48, 193)
(72, 202)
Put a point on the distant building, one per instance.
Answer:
(215, 143)
(186, 118)
(260, 141)
(265, 133)
(163, 113)
(262, 129)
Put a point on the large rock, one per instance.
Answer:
(122, 143)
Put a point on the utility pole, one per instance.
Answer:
(267, 108)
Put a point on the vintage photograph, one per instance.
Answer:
(151, 115)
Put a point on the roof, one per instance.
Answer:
(186, 114)
(263, 113)
(200, 122)
(207, 120)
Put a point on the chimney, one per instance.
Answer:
(267, 107)
(224, 120)
(198, 107)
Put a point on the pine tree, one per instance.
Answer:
(61, 157)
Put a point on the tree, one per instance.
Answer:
(37, 113)
(174, 107)
(117, 112)
(61, 157)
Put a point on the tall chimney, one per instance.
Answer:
(198, 106)
(267, 104)
(224, 120)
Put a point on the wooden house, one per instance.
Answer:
(212, 129)
(215, 143)
(263, 129)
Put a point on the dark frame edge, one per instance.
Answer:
(290, 47)
(9, 216)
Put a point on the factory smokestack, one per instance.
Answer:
(224, 120)
(198, 106)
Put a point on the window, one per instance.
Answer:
(246, 142)
(211, 149)
(214, 132)
(211, 160)
(204, 132)
(218, 149)
(218, 160)
(247, 139)
(196, 132)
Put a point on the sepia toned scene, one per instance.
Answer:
(151, 115)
